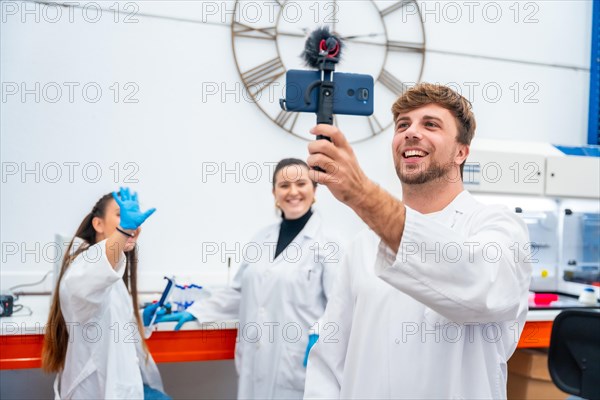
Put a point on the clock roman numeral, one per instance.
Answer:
(287, 120)
(263, 75)
(394, 84)
(243, 30)
(405, 46)
(394, 7)
(375, 125)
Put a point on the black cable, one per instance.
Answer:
(19, 307)
(16, 295)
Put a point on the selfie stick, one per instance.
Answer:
(322, 51)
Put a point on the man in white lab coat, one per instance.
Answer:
(431, 301)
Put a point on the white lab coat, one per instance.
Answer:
(105, 358)
(277, 302)
(425, 323)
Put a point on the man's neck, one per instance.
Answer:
(431, 196)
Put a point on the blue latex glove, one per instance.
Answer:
(312, 339)
(131, 215)
(181, 317)
(149, 313)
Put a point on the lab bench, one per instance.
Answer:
(21, 337)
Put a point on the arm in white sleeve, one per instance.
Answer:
(89, 278)
(331, 255)
(223, 304)
(327, 357)
(478, 277)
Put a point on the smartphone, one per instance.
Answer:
(353, 93)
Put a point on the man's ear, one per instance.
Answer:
(98, 224)
(462, 154)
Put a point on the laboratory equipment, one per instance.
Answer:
(588, 296)
(6, 305)
(543, 248)
(580, 259)
(163, 299)
(185, 295)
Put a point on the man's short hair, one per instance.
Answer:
(427, 93)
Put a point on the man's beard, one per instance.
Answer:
(435, 171)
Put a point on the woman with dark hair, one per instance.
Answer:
(93, 338)
(279, 293)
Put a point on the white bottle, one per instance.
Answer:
(588, 296)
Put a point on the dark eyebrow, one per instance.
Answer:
(400, 119)
(434, 118)
(425, 117)
(294, 181)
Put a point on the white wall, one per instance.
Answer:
(171, 134)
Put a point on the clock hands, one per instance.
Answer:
(306, 32)
(418, 47)
(294, 34)
(362, 36)
(399, 46)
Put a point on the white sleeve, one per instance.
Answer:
(331, 255)
(481, 277)
(89, 278)
(223, 304)
(327, 357)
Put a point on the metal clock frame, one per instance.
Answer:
(268, 72)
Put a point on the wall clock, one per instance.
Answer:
(385, 39)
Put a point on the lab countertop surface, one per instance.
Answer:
(21, 337)
(33, 317)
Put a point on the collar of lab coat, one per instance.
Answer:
(462, 204)
(309, 231)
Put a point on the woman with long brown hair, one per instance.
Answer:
(93, 338)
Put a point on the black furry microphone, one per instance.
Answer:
(321, 45)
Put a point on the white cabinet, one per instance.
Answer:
(503, 172)
(573, 176)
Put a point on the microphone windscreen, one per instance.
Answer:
(312, 46)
